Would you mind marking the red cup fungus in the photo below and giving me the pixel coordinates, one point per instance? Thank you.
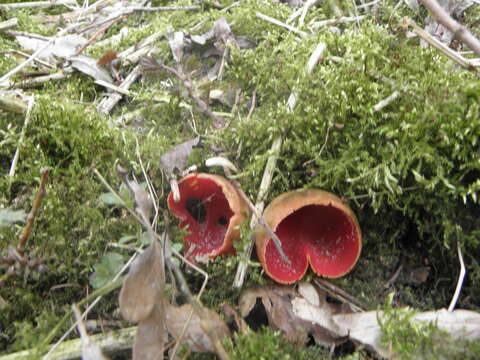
(315, 227)
(210, 209)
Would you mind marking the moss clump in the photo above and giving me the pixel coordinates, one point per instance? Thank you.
(72, 227)
(267, 344)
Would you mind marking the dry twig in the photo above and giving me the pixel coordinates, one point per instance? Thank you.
(22, 241)
(7, 24)
(187, 82)
(461, 33)
(281, 24)
(437, 44)
(31, 102)
(109, 102)
(38, 4)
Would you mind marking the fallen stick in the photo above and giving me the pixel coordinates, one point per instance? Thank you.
(259, 206)
(7, 24)
(31, 102)
(437, 44)
(38, 4)
(281, 24)
(109, 102)
(22, 241)
(111, 342)
(461, 33)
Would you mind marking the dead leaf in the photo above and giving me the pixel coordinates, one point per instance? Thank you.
(194, 336)
(141, 300)
(89, 66)
(177, 44)
(418, 275)
(278, 306)
(150, 337)
(453, 8)
(177, 157)
(143, 200)
(313, 307)
(364, 328)
(223, 32)
(143, 286)
(203, 38)
(62, 47)
(242, 326)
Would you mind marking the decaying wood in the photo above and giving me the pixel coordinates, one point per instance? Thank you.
(8, 24)
(38, 4)
(110, 342)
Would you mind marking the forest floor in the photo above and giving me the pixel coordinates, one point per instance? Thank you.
(106, 105)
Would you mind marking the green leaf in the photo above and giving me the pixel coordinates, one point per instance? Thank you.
(110, 199)
(8, 217)
(106, 269)
(127, 238)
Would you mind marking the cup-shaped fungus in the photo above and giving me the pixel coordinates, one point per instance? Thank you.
(211, 210)
(314, 227)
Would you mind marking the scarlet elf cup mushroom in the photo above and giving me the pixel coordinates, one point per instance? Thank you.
(314, 227)
(210, 209)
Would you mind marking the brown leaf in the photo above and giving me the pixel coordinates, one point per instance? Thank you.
(150, 337)
(143, 201)
(297, 316)
(177, 44)
(177, 157)
(278, 306)
(194, 336)
(141, 300)
(143, 287)
(242, 326)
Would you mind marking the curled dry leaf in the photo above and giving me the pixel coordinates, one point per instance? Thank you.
(141, 300)
(89, 66)
(150, 337)
(143, 200)
(320, 315)
(223, 32)
(242, 326)
(194, 336)
(277, 301)
(177, 157)
(177, 44)
(62, 47)
(143, 285)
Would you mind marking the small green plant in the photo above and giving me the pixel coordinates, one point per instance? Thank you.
(106, 269)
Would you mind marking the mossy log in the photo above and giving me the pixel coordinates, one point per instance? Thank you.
(109, 342)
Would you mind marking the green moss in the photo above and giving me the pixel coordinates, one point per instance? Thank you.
(409, 339)
(267, 344)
